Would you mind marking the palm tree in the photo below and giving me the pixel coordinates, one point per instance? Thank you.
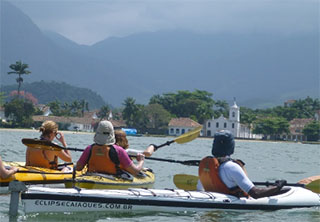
(20, 69)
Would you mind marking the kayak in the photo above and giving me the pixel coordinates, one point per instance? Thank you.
(34, 175)
(145, 179)
(43, 199)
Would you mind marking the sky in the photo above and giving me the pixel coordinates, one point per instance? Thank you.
(90, 21)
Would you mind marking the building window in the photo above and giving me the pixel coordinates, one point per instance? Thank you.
(177, 131)
(217, 125)
(209, 124)
(225, 125)
(209, 133)
(171, 131)
(232, 125)
(233, 114)
(182, 131)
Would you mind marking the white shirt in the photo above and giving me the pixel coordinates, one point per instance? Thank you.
(233, 175)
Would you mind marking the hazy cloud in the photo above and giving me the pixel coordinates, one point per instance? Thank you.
(87, 22)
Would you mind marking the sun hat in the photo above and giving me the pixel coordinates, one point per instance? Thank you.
(104, 133)
(223, 144)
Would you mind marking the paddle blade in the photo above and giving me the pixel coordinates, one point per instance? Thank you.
(40, 144)
(312, 183)
(189, 136)
(185, 181)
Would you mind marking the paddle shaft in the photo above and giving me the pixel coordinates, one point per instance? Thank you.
(186, 162)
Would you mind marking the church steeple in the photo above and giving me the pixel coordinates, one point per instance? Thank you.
(234, 112)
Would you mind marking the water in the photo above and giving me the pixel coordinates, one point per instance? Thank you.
(265, 161)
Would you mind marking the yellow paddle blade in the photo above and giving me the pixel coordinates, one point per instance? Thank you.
(312, 183)
(41, 144)
(189, 136)
(185, 181)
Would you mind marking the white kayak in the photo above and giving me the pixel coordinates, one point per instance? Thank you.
(43, 199)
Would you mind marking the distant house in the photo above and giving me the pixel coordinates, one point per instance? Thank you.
(45, 109)
(179, 126)
(86, 123)
(289, 102)
(296, 127)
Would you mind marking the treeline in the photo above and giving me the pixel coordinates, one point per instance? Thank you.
(46, 92)
(198, 105)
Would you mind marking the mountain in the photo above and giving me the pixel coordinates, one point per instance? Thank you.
(46, 92)
(258, 69)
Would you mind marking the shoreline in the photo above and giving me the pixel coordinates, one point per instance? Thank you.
(210, 138)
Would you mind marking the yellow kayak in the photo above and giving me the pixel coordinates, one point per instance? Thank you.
(107, 181)
(35, 175)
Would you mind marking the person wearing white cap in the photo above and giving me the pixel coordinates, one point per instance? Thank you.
(104, 156)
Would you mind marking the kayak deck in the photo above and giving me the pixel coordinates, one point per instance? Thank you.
(34, 175)
(167, 200)
(105, 181)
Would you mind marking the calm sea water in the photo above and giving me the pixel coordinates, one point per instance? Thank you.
(265, 161)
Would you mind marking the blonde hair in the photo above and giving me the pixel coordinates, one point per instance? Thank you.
(121, 139)
(48, 127)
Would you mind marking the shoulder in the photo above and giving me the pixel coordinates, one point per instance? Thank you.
(231, 166)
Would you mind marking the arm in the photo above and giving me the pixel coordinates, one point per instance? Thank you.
(65, 155)
(135, 169)
(149, 151)
(4, 173)
(83, 160)
(257, 192)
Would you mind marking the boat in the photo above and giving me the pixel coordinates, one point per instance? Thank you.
(34, 175)
(135, 200)
(145, 179)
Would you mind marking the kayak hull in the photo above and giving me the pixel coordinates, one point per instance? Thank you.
(102, 181)
(41, 199)
(34, 175)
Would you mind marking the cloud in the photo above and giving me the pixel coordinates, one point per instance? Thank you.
(87, 22)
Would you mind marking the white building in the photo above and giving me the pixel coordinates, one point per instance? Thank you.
(232, 124)
(179, 126)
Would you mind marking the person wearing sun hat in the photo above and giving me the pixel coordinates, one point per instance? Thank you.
(220, 173)
(104, 156)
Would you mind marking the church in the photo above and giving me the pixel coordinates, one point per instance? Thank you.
(232, 124)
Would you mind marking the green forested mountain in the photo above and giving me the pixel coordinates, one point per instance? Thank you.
(46, 92)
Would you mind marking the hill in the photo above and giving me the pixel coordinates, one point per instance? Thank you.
(259, 69)
(46, 92)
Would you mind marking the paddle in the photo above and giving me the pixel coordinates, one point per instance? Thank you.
(184, 138)
(189, 182)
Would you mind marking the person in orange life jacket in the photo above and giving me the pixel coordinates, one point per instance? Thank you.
(5, 173)
(48, 158)
(121, 140)
(230, 177)
(104, 156)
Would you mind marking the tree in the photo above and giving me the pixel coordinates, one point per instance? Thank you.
(130, 111)
(272, 126)
(312, 131)
(104, 112)
(20, 69)
(2, 98)
(158, 117)
(20, 111)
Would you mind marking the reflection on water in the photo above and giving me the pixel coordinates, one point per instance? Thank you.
(265, 161)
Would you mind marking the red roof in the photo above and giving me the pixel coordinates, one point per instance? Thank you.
(185, 122)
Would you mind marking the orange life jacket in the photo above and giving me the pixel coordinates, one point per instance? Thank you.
(103, 159)
(210, 179)
(37, 157)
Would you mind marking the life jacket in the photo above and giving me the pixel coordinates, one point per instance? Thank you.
(210, 179)
(104, 159)
(38, 158)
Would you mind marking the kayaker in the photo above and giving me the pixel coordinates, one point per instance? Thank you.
(104, 156)
(5, 173)
(121, 140)
(48, 158)
(222, 174)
